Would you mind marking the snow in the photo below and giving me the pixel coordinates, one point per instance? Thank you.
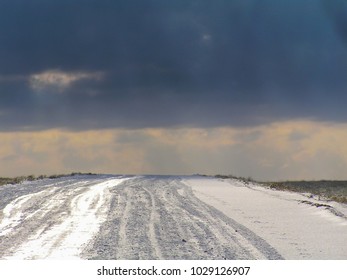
(158, 217)
(13, 213)
(296, 230)
(68, 237)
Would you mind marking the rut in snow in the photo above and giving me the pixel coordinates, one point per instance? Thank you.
(149, 217)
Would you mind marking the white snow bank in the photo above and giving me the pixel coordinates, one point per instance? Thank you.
(297, 230)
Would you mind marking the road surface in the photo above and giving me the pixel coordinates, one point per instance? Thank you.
(117, 217)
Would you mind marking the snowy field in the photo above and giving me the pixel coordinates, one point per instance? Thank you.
(165, 217)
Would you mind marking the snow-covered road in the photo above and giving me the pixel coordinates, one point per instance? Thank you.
(142, 217)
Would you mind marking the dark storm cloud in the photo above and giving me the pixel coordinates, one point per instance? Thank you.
(166, 63)
(337, 10)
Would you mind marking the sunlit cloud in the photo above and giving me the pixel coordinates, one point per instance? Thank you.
(59, 79)
(282, 150)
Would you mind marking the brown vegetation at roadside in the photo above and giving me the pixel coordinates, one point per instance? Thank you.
(20, 179)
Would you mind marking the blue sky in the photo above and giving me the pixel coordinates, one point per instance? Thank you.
(171, 66)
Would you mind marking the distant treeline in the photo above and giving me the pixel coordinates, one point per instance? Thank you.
(20, 179)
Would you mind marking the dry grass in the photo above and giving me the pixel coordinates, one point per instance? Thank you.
(20, 179)
(325, 189)
(329, 190)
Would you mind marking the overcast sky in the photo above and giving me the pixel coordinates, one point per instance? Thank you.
(141, 69)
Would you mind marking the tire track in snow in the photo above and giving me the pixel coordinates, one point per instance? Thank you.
(137, 238)
(162, 219)
(124, 245)
(149, 217)
(217, 239)
(13, 213)
(64, 237)
(152, 222)
(248, 244)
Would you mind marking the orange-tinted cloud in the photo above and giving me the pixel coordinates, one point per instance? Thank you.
(283, 150)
